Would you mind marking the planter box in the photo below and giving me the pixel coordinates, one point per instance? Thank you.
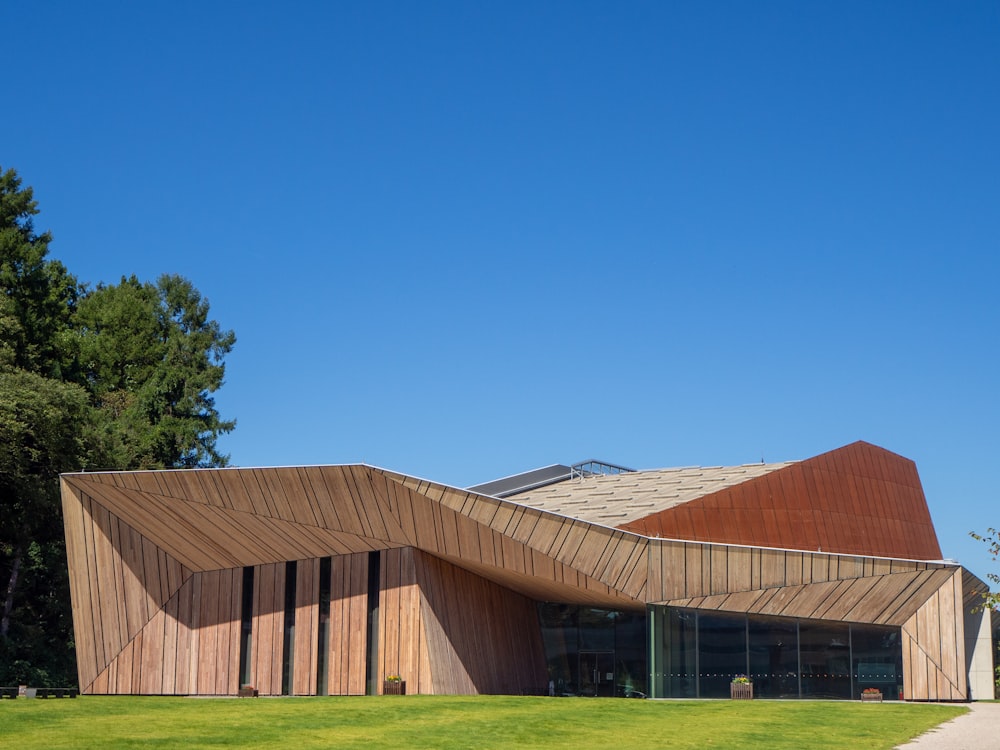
(395, 687)
(871, 697)
(741, 691)
(248, 692)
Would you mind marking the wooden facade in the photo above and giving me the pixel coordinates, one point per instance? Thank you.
(353, 573)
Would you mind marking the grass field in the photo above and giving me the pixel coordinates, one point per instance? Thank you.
(450, 723)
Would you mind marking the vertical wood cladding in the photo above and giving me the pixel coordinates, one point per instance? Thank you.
(859, 499)
(402, 646)
(447, 631)
(118, 581)
(189, 647)
(679, 570)
(933, 638)
(481, 637)
(306, 627)
(348, 619)
(268, 628)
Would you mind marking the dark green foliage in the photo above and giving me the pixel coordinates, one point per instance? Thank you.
(38, 294)
(151, 358)
(119, 377)
(41, 421)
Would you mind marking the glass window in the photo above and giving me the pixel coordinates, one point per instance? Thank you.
(722, 652)
(681, 646)
(591, 651)
(697, 653)
(560, 638)
(774, 657)
(631, 671)
(597, 629)
(877, 660)
(825, 658)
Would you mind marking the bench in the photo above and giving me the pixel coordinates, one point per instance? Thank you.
(56, 693)
(8, 692)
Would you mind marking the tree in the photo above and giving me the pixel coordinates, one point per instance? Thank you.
(118, 377)
(41, 421)
(992, 541)
(41, 424)
(39, 294)
(151, 358)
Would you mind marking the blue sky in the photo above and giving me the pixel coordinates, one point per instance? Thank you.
(461, 239)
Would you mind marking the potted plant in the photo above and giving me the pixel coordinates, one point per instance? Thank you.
(741, 688)
(248, 691)
(871, 695)
(394, 685)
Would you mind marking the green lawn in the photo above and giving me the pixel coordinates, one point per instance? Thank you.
(449, 723)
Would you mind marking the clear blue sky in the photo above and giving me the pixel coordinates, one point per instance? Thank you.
(464, 239)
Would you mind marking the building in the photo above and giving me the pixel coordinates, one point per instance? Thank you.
(819, 577)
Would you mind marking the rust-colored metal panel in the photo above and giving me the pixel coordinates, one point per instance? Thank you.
(859, 499)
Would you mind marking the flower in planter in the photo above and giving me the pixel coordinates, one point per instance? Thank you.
(393, 678)
(871, 691)
(741, 679)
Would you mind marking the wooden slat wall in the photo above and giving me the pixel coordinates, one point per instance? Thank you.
(346, 665)
(447, 631)
(268, 628)
(933, 641)
(118, 581)
(219, 632)
(548, 580)
(90, 658)
(306, 623)
(481, 637)
(208, 537)
(881, 600)
(526, 543)
(189, 647)
(859, 499)
(691, 569)
(402, 647)
(512, 539)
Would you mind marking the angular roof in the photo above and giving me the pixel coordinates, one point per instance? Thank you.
(616, 499)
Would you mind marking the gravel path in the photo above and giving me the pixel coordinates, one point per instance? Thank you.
(977, 730)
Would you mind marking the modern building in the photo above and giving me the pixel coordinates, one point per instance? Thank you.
(817, 578)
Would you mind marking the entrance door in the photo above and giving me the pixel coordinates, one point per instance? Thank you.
(597, 673)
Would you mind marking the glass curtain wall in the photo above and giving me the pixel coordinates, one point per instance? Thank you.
(594, 652)
(722, 652)
(774, 657)
(825, 659)
(873, 664)
(696, 654)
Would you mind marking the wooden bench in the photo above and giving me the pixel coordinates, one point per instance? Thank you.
(8, 692)
(56, 693)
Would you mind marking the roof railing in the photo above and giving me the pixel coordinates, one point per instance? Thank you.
(593, 467)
